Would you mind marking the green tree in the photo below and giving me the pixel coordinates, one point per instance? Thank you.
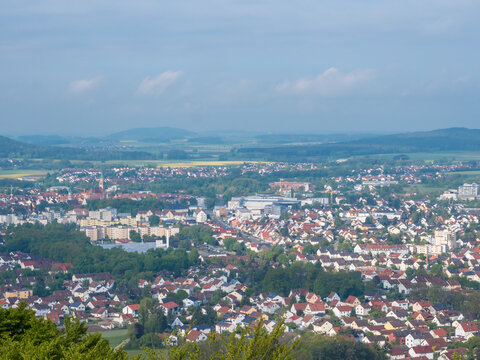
(39, 288)
(315, 347)
(135, 236)
(180, 295)
(436, 270)
(23, 336)
(154, 220)
(245, 344)
(410, 272)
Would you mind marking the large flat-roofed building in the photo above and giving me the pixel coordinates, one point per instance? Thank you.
(258, 205)
(468, 191)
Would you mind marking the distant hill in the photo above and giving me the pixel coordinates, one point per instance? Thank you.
(452, 139)
(283, 139)
(164, 133)
(10, 148)
(16, 149)
(207, 140)
(44, 139)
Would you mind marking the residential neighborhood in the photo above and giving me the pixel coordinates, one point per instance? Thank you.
(411, 255)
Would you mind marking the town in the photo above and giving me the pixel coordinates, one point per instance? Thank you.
(394, 268)
(239, 180)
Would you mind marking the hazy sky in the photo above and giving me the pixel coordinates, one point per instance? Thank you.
(92, 67)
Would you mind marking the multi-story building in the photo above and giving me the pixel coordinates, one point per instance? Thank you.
(96, 233)
(468, 191)
(443, 241)
(107, 214)
(286, 186)
(446, 239)
(259, 205)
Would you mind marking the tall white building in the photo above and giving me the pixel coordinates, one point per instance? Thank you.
(468, 191)
(443, 241)
(445, 238)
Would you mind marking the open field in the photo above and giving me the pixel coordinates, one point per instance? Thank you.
(472, 173)
(115, 337)
(19, 173)
(432, 156)
(176, 163)
(202, 163)
(423, 189)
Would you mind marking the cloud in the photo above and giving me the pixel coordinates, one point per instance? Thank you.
(159, 84)
(81, 86)
(331, 82)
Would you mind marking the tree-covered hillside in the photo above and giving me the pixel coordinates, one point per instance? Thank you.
(454, 139)
(16, 149)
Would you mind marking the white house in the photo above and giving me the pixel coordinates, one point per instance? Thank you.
(131, 310)
(466, 329)
(342, 311)
(201, 217)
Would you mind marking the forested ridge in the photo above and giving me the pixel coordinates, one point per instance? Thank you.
(10, 148)
(453, 139)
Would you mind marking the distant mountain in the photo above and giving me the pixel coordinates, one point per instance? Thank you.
(452, 139)
(164, 133)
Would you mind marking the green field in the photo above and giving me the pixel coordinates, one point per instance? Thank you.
(171, 163)
(471, 173)
(21, 173)
(423, 189)
(432, 156)
(115, 337)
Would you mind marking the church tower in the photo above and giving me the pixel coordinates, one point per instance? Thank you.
(101, 184)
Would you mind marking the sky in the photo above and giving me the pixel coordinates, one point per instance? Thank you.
(94, 67)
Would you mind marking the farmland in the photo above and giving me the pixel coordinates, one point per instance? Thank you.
(20, 173)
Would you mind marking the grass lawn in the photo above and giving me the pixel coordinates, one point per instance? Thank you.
(115, 337)
(423, 189)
